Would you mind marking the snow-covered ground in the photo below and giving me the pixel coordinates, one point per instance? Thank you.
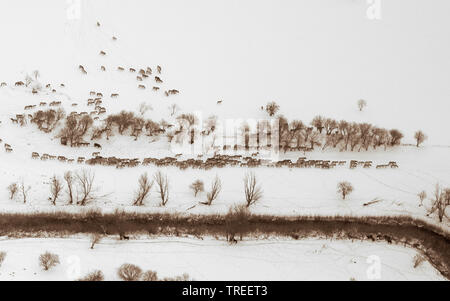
(209, 259)
(310, 57)
(286, 191)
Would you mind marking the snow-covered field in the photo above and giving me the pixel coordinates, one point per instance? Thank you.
(286, 191)
(209, 259)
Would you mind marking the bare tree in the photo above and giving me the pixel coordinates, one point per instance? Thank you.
(210, 125)
(144, 189)
(163, 186)
(330, 125)
(123, 120)
(365, 135)
(137, 126)
(344, 188)
(252, 192)
(149, 276)
(197, 187)
(422, 196)
(12, 188)
(85, 180)
(361, 104)
(47, 120)
(420, 137)
(440, 202)
(354, 135)
(95, 238)
(314, 139)
(24, 190)
(319, 123)
(55, 189)
(216, 187)
(69, 178)
(245, 130)
(272, 108)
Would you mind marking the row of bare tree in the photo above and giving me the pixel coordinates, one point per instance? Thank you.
(80, 188)
(47, 120)
(124, 121)
(252, 191)
(328, 132)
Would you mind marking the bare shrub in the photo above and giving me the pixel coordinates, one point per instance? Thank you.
(48, 260)
(344, 189)
(55, 189)
(420, 138)
(149, 276)
(95, 238)
(440, 202)
(85, 181)
(417, 260)
(272, 108)
(96, 275)
(197, 186)
(69, 178)
(24, 190)
(396, 137)
(361, 104)
(143, 191)
(319, 123)
(252, 192)
(2, 257)
(129, 272)
(12, 188)
(422, 196)
(216, 187)
(163, 187)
